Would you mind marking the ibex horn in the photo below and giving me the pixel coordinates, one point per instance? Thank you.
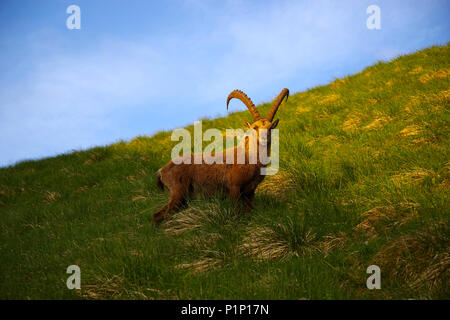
(238, 94)
(276, 104)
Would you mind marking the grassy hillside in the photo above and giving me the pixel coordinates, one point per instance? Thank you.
(364, 179)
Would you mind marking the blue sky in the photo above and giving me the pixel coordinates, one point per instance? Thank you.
(137, 67)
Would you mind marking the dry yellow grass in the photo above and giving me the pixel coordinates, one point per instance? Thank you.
(278, 185)
(187, 220)
(444, 95)
(385, 217)
(413, 102)
(302, 109)
(376, 124)
(421, 261)
(416, 70)
(138, 198)
(330, 139)
(413, 176)
(330, 98)
(264, 243)
(201, 265)
(114, 287)
(420, 141)
(51, 196)
(351, 123)
(440, 74)
(412, 130)
(331, 242)
(103, 288)
(425, 78)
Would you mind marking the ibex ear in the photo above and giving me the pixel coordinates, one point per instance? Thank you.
(248, 124)
(274, 125)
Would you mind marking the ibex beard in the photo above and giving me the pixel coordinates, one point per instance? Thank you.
(238, 179)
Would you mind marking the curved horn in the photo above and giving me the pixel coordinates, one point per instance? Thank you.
(238, 94)
(276, 104)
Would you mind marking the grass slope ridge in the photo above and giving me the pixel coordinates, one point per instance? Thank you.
(364, 179)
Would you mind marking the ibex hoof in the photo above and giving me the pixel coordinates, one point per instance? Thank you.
(157, 219)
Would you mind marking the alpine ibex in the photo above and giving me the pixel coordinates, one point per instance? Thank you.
(236, 180)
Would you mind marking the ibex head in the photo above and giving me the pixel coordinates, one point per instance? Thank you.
(259, 123)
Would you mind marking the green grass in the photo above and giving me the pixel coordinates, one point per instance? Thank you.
(364, 179)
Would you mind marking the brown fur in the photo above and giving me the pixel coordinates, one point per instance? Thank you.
(239, 181)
